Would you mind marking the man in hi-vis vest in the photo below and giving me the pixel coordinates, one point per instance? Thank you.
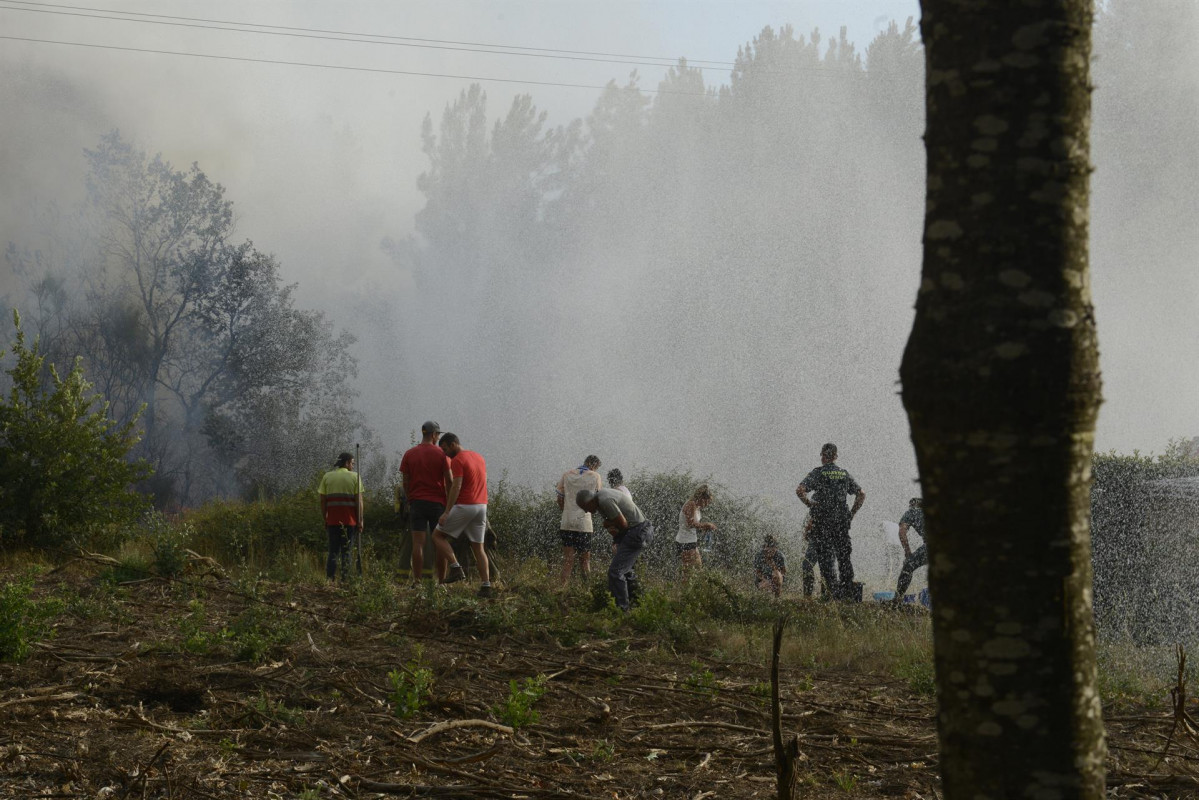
(341, 507)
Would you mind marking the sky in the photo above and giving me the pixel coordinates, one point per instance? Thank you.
(322, 163)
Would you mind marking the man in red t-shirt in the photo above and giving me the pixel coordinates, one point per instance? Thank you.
(426, 474)
(466, 512)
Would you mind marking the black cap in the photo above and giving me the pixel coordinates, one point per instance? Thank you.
(430, 427)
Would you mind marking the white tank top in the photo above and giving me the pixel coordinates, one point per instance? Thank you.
(687, 534)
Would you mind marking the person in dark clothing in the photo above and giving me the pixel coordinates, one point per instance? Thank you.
(912, 518)
(811, 557)
(770, 567)
(831, 520)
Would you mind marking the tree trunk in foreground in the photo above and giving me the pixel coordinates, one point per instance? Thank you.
(1001, 386)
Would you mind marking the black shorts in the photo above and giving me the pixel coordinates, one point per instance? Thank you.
(425, 514)
(681, 547)
(579, 540)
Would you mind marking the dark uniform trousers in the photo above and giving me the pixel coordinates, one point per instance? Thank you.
(831, 548)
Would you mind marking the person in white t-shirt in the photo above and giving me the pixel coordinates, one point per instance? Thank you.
(686, 541)
(576, 526)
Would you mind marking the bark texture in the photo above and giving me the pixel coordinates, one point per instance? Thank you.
(1001, 385)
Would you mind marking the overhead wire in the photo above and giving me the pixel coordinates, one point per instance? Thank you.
(335, 35)
(88, 12)
(376, 70)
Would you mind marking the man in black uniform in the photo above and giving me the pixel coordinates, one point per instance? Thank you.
(831, 520)
(912, 518)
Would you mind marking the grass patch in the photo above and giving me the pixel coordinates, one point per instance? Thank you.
(24, 620)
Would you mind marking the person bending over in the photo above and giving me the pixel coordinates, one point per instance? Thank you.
(630, 530)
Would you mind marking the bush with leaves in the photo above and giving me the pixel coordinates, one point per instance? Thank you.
(517, 709)
(263, 531)
(526, 523)
(23, 620)
(63, 467)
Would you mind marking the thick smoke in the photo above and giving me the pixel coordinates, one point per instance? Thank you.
(721, 282)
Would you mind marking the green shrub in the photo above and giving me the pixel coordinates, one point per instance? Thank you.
(410, 687)
(197, 637)
(917, 672)
(277, 711)
(168, 543)
(63, 468)
(269, 534)
(132, 565)
(517, 709)
(258, 631)
(23, 620)
(526, 522)
(374, 596)
(702, 680)
(656, 613)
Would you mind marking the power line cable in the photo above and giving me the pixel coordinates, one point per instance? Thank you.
(356, 37)
(377, 70)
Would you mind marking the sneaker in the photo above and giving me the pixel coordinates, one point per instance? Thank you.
(485, 591)
(455, 574)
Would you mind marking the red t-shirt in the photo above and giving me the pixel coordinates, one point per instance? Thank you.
(470, 466)
(425, 466)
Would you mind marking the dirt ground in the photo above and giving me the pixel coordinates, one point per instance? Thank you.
(122, 703)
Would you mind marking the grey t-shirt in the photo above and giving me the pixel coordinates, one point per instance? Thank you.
(613, 503)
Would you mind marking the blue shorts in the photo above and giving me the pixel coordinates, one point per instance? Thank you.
(579, 540)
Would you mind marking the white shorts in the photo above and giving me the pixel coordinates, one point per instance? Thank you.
(471, 520)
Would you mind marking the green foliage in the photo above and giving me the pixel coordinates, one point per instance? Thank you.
(603, 750)
(252, 636)
(845, 780)
(196, 635)
(132, 565)
(655, 613)
(526, 521)
(259, 389)
(270, 533)
(24, 620)
(917, 671)
(374, 597)
(527, 524)
(277, 711)
(410, 687)
(702, 680)
(63, 468)
(234, 530)
(517, 709)
(168, 543)
(258, 631)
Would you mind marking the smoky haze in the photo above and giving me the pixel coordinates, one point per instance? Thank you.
(718, 276)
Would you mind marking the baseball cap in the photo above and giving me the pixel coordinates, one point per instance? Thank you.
(430, 427)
